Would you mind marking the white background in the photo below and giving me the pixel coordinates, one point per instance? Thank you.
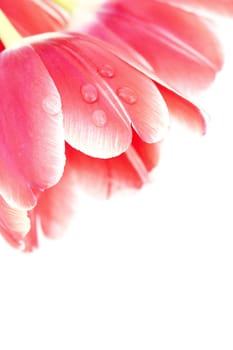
(151, 272)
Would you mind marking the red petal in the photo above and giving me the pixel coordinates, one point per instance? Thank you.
(31, 127)
(101, 96)
(180, 46)
(34, 17)
(2, 47)
(103, 177)
(223, 7)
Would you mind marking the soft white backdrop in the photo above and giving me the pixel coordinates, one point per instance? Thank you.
(151, 272)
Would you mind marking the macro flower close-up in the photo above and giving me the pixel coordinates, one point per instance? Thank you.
(115, 174)
(86, 106)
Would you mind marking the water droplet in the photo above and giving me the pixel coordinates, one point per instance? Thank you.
(127, 95)
(89, 93)
(106, 71)
(52, 104)
(99, 118)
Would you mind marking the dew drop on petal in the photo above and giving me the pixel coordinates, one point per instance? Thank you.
(89, 93)
(127, 95)
(52, 104)
(106, 71)
(99, 118)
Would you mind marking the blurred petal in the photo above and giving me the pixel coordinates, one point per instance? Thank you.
(223, 7)
(104, 177)
(1, 46)
(31, 128)
(30, 241)
(53, 213)
(14, 224)
(58, 205)
(31, 17)
(180, 46)
(184, 110)
(101, 96)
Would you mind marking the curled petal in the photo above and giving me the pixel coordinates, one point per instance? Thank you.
(180, 46)
(31, 128)
(102, 96)
(31, 17)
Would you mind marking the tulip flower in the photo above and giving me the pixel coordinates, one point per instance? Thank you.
(106, 105)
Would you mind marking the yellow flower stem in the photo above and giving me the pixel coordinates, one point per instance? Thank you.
(68, 5)
(8, 34)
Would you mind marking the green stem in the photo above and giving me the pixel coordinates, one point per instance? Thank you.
(8, 34)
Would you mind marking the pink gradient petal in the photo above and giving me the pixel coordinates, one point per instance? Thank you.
(180, 46)
(31, 17)
(31, 127)
(30, 241)
(14, 224)
(103, 177)
(52, 215)
(179, 106)
(223, 7)
(99, 109)
(185, 111)
(57, 206)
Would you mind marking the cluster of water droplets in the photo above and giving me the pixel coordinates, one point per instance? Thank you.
(90, 94)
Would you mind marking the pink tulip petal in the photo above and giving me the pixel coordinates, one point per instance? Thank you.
(31, 17)
(178, 105)
(149, 153)
(31, 127)
(102, 95)
(14, 224)
(30, 241)
(180, 46)
(223, 7)
(131, 170)
(103, 177)
(185, 111)
(58, 205)
(52, 215)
